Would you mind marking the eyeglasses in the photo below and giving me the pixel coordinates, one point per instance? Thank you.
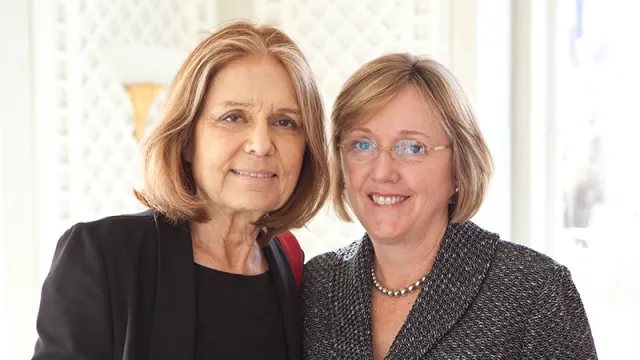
(407, 151)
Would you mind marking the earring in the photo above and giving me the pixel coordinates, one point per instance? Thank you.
(452, 196)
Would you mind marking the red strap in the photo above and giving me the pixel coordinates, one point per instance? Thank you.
(293, 251)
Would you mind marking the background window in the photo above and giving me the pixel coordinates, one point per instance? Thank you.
(597, 165)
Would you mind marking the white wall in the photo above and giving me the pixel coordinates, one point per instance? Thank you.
(237, 9)
(3, 288)
(532, 118)
(16, 166)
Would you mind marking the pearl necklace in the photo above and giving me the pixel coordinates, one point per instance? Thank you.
(400, 292)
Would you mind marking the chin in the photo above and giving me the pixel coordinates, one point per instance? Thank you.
(385, 229)
(253, 205)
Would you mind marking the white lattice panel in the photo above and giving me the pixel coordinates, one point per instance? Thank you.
(89, 158)
(338, 37)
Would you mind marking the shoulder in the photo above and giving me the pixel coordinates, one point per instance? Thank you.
(318, 282)
(524, 261)
(320, 271)
(119, 232)
(541, 292)
(524, 273)
(504, 255)
(88, 249)
(514, 272)
(332, 261)
(119, 223)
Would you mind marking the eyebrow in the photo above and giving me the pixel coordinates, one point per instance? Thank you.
(288, 110)
(413, 132)
(245, 105)
(361, 129)
(401, 132)
(230, 103)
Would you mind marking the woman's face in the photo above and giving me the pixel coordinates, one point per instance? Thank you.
(393, 198)
(248, 144)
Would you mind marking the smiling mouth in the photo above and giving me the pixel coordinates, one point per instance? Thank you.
(387, 200)
(259, 175)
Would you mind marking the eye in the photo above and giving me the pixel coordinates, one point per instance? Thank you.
(411, 147)
(415, 149)
(286, 123)
(231, 118)
(362, 145)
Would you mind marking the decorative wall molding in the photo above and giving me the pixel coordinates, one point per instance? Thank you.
(87, 151)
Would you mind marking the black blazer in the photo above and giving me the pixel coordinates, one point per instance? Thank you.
(122, 288)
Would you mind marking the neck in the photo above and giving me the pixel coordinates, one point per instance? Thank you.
(228, 243)
(401, 263)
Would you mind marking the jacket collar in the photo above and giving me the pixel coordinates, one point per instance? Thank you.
(462, 263)
(288, 296)
(173, 329)
(174, 316)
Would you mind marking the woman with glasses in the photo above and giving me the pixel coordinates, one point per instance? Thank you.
(424, 282)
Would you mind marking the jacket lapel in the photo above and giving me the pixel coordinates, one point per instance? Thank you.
(173, 327)
(461, 265)
(460, 268)
(288, 296)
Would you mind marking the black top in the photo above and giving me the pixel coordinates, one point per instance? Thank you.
(237, 317)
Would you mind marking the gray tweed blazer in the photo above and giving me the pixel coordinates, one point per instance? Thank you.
(483, 299)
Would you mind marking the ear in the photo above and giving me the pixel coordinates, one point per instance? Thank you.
(453, 195)
(342, 176)
(454, 183)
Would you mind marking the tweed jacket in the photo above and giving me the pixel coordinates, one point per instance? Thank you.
(484, 298)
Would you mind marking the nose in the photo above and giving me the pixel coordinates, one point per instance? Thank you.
(384, 168)
(259, 141)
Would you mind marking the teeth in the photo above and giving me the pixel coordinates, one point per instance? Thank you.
(259, 176)
(387, 200)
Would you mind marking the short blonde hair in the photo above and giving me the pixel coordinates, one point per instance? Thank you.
(373, 85)
(168, 183)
